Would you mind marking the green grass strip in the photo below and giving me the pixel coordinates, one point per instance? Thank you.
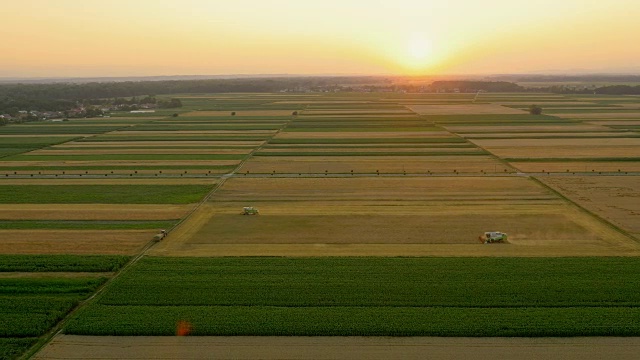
(102, 194)
(85, 224)
(61, 263)
(132, 157)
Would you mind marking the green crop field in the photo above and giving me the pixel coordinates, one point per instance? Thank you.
(30, 306)
(130, 157)
(93, 168)
(369, 141)
(368, 153)
(18, 145)
(61, 263)
(174, 137)
(85, 225)
(371, 296)
(102, 194)
(55, 129)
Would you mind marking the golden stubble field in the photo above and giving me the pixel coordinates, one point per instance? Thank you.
(81, 242)
(593, 167)
(466, 109)
(562, 148)
(372, 164)
(391, 217)
(615, 198)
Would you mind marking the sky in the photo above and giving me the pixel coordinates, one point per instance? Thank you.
(88, 38)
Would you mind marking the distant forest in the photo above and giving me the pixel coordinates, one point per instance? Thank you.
(64, 96)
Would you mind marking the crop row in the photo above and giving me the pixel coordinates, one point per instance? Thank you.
(61, 263)
(11, 348)
(130, 157)
(371, 296)
(85, 224)
(29, 307)
(379, 282)
(357, 321)
(371, 153)
(102, 194)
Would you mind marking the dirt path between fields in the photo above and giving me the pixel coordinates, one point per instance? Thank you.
(145, 347)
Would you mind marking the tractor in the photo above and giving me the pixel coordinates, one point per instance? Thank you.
(250, 210)
(491, 237)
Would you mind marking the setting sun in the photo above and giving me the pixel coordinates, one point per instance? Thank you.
(419, 51)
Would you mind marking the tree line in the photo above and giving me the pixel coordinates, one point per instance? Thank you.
(64, 96)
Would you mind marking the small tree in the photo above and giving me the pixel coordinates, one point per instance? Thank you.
(535, 110)
(233, 113)
(175, 115)
(295, 113)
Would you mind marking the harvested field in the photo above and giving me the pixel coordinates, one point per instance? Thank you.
(186, 133)
(549, 104)
(390, 217)
(564, 151)
(156, 151)
(347, 348)
(92, 212)
(120, 242)
(562, 148)
(378, 189)
(372, 150)
(132, 181)
(615, 198)
(563, 142)
(115, 163)
(600, 115)
(463, 109)
(371, 164)
(363, 135)
(239, 113)
(358, 116)
(155, 144)
(349, 112)
(542, 135)
(425, 226)
(504, 129)
(615, 122)
(577, 166)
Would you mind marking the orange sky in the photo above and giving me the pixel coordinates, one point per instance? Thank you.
(142, 37)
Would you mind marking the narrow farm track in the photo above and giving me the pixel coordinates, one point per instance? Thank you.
(57, 329)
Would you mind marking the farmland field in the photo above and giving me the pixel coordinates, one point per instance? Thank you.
(371, 205)
(39, 292)
(370, 296)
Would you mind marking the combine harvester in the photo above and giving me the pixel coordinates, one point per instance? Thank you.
(250, 210)
(491, 237)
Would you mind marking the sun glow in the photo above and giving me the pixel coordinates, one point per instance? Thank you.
(416, 54)
(419, 49)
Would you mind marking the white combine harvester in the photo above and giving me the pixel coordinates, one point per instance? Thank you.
(250, 210)
(491, 237)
